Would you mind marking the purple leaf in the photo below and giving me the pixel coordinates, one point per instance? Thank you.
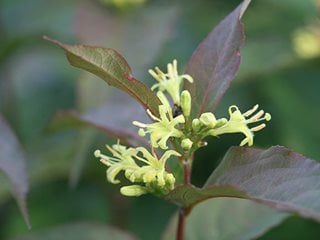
(216, 61)
(13, 165)
(277, 177)
(110, 66)
(113, 118)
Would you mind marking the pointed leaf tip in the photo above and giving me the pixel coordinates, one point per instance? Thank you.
(244, 7)
(13, 165)
(110, 66)
(215, 62)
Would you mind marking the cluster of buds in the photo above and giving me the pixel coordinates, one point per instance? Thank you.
(173, 123)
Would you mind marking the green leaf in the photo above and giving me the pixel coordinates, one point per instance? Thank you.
(109, 65)
(212, 220)
(277, 177)
(216, 61)
(78, 231)
(13, 165)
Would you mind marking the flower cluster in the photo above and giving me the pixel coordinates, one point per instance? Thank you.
(151, 174)
(145, 169)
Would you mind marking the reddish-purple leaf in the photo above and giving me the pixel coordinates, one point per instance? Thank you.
(110, 66)
(13, 165)
(277, 177)
(216, 61)
(113, 118)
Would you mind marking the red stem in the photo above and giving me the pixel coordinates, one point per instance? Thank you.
(186, 174)
(181, 224)
(184, 211)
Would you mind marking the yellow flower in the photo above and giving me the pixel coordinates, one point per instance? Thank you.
(154, 172)
(150, 172)
(238, 123)
(170, 81)
(164, 127)
(123, 159)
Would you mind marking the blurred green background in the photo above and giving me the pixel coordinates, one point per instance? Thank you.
(280, 70)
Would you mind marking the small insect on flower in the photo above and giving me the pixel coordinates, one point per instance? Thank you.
(176, 110)
(164, 127)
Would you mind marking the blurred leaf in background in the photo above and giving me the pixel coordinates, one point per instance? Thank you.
(36, 82)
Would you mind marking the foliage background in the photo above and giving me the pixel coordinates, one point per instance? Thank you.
(67, 183)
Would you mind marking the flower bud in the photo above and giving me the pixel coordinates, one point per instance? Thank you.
(208, 119)
(133, 190)
(186, 103)
(196, 124)
(170, 180)
(186, 144)
(221, 122)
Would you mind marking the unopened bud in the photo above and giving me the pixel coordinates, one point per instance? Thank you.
(221, 122)
(196, 124)
(133, 190)
(186, 103)
(170, 180)
(208, 119)
(186, 144)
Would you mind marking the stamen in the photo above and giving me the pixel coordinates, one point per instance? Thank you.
(160, 73)
(139, 124)
(154, 75)
(258, 128)
(152, 116)
(143, 160)
(256, 117)
(105, 162)
(267, 117)
(97, 153)
(175, 66)
(113, 151)
(251, 111)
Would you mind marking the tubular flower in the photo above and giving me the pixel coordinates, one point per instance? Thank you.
(238, 123)
(164, 127)
(122, 160)
(170, 81)
(152, 173)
